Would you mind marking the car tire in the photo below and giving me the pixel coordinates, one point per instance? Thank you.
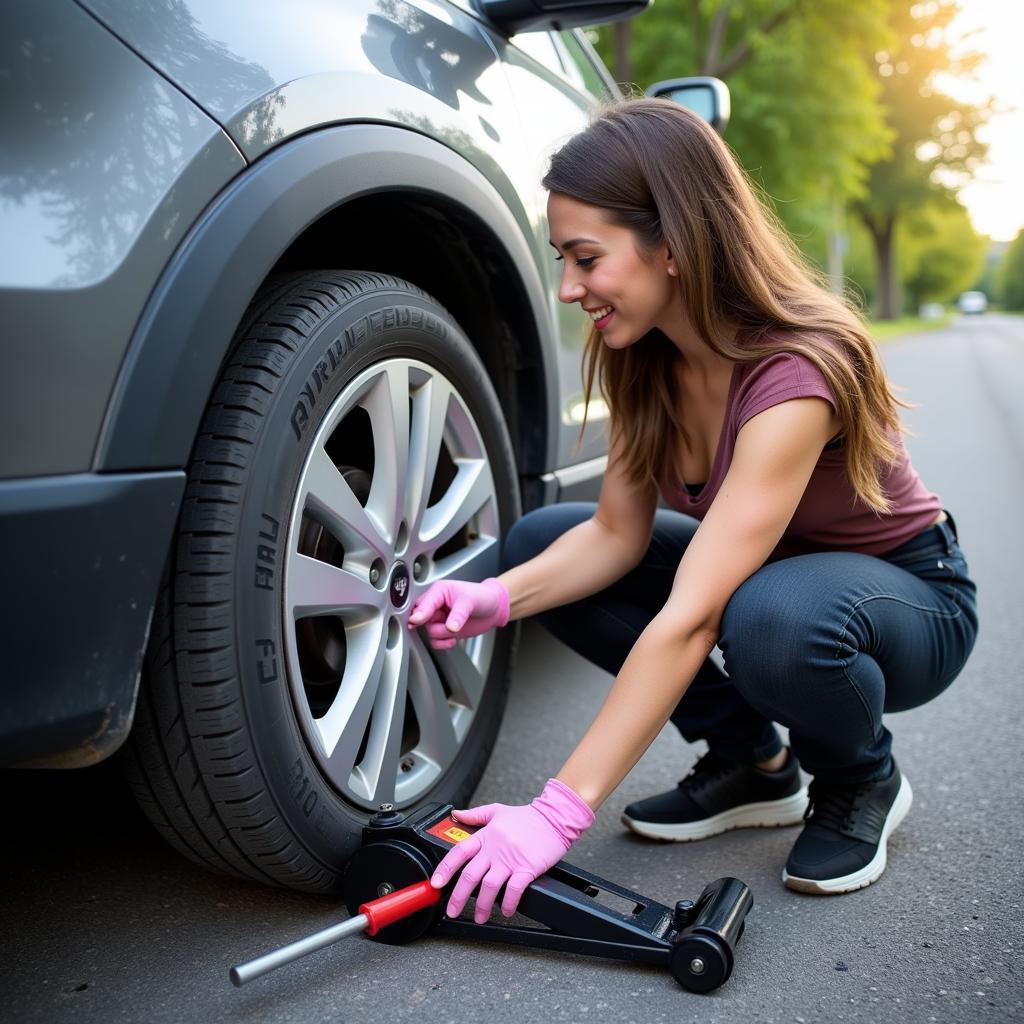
(352, 453)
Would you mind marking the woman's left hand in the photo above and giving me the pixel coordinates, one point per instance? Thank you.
(515, 845)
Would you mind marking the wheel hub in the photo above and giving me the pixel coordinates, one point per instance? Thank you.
(398, 586)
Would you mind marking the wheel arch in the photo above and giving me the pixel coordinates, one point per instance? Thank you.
(316, 199)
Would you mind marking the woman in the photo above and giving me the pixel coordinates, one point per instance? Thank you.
(799, 538)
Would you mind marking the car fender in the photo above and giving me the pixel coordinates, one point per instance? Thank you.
(186, 329)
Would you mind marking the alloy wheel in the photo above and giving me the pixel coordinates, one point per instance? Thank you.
(396, 493)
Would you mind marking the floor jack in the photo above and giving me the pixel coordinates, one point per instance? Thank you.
(388, 892)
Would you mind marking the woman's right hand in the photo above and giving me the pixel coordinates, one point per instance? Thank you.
(453, 610)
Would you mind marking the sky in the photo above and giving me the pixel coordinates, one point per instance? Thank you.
(995, 199)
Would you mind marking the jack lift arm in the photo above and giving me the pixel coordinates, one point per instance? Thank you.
(388, 892)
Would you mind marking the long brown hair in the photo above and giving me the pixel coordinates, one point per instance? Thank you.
(662, 171)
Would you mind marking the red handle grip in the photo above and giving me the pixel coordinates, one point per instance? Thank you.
(401, 903)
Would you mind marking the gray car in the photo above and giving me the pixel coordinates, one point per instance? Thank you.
(282, 347)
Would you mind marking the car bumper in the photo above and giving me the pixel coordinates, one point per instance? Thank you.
(82, 559)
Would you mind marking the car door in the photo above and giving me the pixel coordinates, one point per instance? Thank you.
(557, 83)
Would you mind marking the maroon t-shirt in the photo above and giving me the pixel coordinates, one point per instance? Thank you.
(829, 515)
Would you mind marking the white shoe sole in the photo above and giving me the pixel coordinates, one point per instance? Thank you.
(769, 814)
(872, 870)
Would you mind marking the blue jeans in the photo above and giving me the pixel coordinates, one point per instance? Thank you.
(822, 643)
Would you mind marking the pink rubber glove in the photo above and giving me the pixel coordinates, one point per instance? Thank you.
(516, 845)
(454, 610)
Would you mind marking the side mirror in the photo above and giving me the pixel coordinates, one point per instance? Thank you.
(512, 16)
(708, 97)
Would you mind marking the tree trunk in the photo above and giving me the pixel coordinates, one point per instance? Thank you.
(887, 290)
(623, 65)
(837, 243)
(716, 40)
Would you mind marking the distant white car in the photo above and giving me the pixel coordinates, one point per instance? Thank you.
(972, 302)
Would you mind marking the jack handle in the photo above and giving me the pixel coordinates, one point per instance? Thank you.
(372, 916)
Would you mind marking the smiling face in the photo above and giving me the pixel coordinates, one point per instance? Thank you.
(624, 289)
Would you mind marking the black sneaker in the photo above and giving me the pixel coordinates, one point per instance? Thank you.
(842, 846)
(719, 795)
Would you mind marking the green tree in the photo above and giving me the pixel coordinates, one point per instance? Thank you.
(935, 147)
(988, 280)
(942, 254)
(805, 116)
(1011, 275)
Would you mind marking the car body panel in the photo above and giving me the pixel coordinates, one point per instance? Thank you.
(78, 596)
(97, 185)
(431, 68)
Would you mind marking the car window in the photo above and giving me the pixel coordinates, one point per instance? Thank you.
(580, 67)
(541, 47)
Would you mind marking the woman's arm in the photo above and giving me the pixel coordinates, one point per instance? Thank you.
(592, 555)
(775, 454)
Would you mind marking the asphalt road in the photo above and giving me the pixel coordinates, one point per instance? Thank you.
(101, 922)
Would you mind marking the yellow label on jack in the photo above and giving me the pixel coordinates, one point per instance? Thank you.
(449, 831)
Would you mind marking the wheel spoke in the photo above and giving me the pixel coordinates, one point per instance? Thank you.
(387, 404)
(474, 562)
(471, 489)
(438, 741)
(316, 588)
(429, 412)
(344, 724)
(465, 679)
(330, 501)
(378, 769)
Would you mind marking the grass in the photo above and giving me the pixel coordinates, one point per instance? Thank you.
(886, 330)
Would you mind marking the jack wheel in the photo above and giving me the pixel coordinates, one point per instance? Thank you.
(701, 963)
